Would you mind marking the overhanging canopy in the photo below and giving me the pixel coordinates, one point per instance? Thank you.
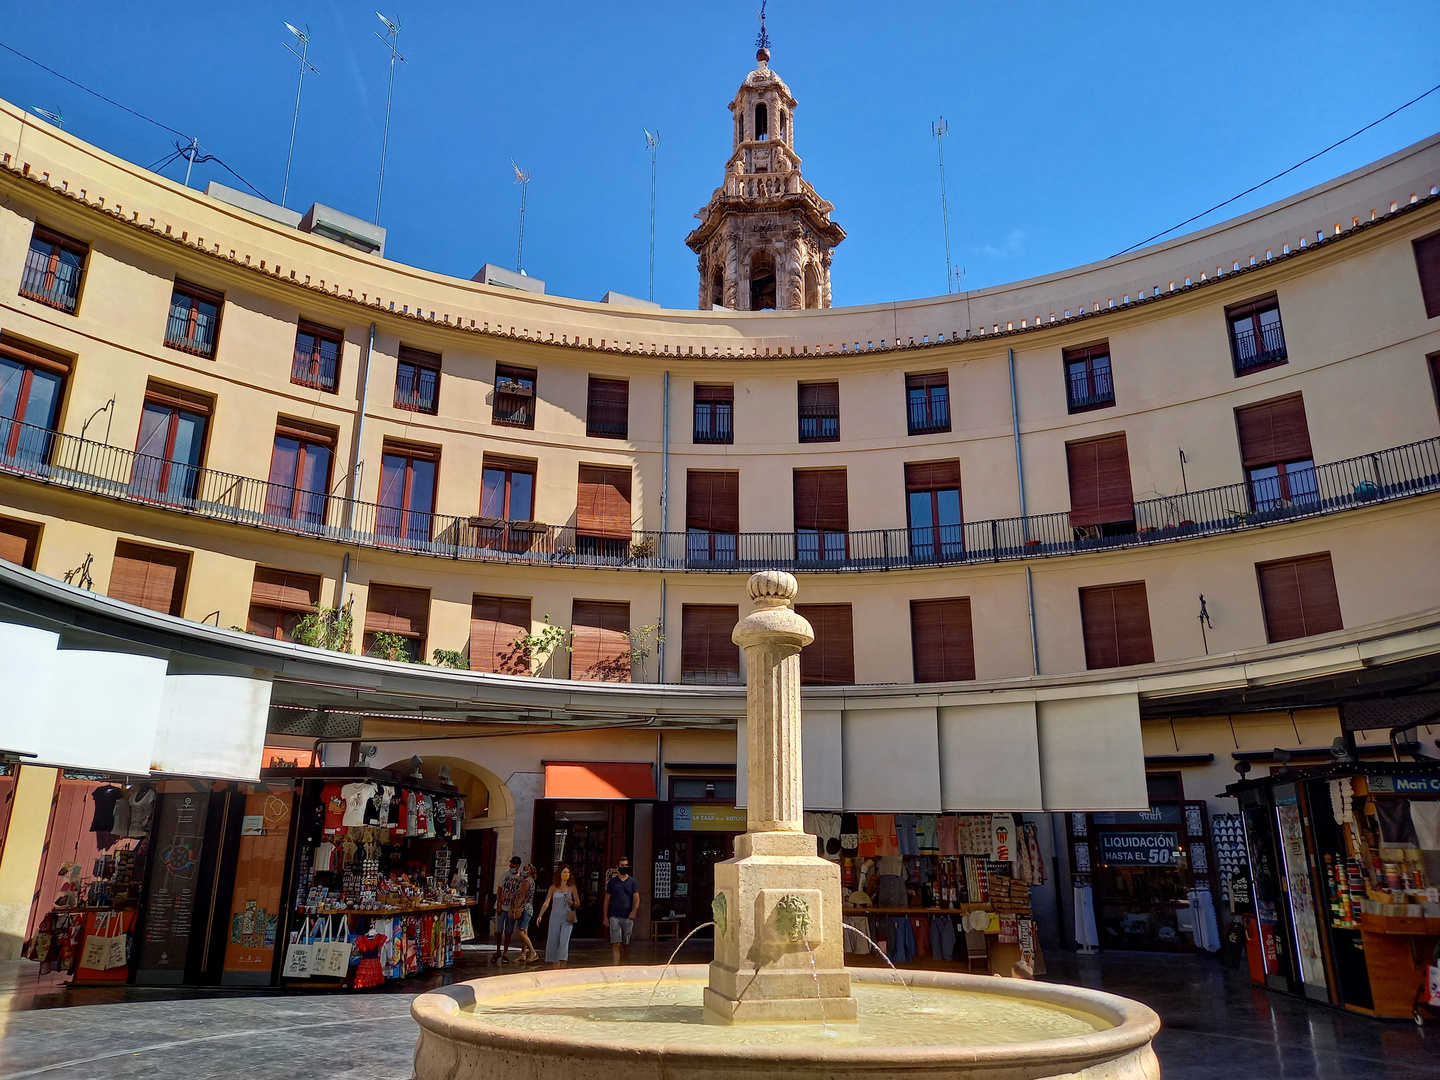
(599, 780)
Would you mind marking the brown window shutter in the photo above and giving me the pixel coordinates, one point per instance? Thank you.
(18, 541)
(820, 395)
(178, 398)
(1299, 597)
(306, 430)
(495, 623)
(1116, 624)
(1099, 481)
(821, 499)
(707, 655)
(27, 353)
(149, 577)
(285, 589)
(712, 501)
(599, 651)
(394, 609)
(1427, 264)
(608, 407)
(929, 476)
(830, 660)
(1273, 431)
(1434, 359)
(602, 503)
(941, 640)
(722, 394)
(924, 382)
(420, 357)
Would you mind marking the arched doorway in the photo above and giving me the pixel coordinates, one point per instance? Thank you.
(762, 281)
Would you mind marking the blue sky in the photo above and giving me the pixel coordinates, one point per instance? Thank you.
(1075, 129)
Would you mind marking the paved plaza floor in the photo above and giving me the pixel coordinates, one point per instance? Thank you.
(1216, 1026)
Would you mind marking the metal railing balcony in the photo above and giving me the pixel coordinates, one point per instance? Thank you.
(1087, 390)
(1252, 350)
(58, 287)
(83, 465)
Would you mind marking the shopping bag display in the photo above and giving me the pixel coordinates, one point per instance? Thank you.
(104, 950)
(299, 954)
(331, 958)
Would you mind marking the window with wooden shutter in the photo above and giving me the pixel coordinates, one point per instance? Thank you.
(1257, 339)
(19, 541)
(317, 356)
(53, 268)
(417, 380)
(514, 404)
(712, 515)
(1427, 265)
(941, 641)
(607, 413)
(149, 577)
(819, 405)
(299, 488)
(406, 502)
(1434, 361)
(1299, 597)
(822, 515)
(600, 649)
(830, 659)
(1116, 623)
(602, 510)
(495, 623)
(171, 443)
(927, 402)
(279, 599)
(401, 612)
(714, 414)
(1275, 450)
(707, 655)
(932, 508)
(1100, 481)
(1088, 382)
(194, 323)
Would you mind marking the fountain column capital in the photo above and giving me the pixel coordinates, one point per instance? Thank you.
(774, 621)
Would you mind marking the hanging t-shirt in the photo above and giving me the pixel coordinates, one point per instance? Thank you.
(355, 796)
(925, 828)
(387, 803)
(886, 843)
(105, 797)
(142, 811)
(334, 806)
(947, 829)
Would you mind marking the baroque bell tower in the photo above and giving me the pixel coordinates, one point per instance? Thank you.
(765, 238)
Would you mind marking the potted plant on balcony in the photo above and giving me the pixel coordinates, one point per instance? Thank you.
(643, 548)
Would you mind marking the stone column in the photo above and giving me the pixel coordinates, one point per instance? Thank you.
(772, 636)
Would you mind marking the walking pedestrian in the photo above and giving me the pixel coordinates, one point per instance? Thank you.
(508, 909)
(622, 904)
(565, 897)
(527, 905)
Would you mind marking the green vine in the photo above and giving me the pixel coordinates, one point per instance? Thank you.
(530, 653)
(389, 646)
(450, 658)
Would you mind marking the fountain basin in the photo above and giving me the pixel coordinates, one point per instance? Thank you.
(592, 1024)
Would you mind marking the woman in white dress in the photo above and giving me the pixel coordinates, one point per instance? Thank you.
(566, 900)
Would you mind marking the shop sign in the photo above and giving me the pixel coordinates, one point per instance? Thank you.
(1405, 785)
(708, 817)
(1138, 848)
(1164, 814)
(170, 909)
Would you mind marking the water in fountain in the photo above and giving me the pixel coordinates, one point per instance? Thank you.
(883, 956)
(671, 961)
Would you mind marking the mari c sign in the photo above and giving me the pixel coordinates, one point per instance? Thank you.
(1138, 848)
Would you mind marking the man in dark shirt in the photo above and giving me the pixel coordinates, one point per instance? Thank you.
(622, 904)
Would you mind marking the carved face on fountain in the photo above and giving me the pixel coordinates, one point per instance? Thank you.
(792, 917)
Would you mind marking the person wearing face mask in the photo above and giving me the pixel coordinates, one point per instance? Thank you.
(566, 897)
(622, 904)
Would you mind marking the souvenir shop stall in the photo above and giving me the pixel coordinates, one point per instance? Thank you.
(937, 890)
(88, 895)
(1147, 879)
(380, 885)
(1345, 862)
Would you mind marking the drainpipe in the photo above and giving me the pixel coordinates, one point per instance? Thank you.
(664, 518)
(1024, 520)
(660, 646)
(356, 464)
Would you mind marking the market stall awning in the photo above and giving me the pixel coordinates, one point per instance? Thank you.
(599, 780)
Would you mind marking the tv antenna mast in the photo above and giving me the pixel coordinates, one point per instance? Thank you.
(391, 40)
(523, 179)
(939, 129)
(303, 37)
(57, 117)
(652, 141)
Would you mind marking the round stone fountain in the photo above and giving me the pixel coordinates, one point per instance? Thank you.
(777, 999)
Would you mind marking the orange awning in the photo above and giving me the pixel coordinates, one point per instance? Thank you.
(599, 780)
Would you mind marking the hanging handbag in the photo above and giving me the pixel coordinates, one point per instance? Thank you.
(299, 953)
(104, 949)
(570, 916)
(464, 926)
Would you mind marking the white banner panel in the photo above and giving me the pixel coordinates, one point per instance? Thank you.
(891, 760)
(27, 659)
(990, 757)
(1091, 757)
(821, 763)
(212, 725)
(104, 711)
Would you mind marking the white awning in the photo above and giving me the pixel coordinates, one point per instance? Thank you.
(1090, 753)
(892, 760)
(990, 757)
(212, 725)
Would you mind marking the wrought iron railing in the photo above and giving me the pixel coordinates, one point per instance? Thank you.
(84, 465)
(1252, 350)
(416, 388)
(190, 330)
(930, 415)
(316, 367)
(819, 423)
(58, 287)
(1090, 388)
(714, 422)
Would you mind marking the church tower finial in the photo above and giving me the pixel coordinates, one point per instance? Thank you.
(765, 238)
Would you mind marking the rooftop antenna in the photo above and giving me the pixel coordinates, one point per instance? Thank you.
(940, 129)
(391, 40)
(303, 37)
(523, 179)
(57, 118)
(652, 141)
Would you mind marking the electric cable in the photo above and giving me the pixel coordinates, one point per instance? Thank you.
(1277, 176)
(95, 93)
